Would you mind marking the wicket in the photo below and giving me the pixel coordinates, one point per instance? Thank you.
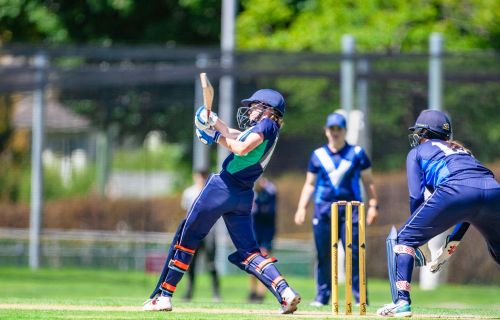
(348, 256)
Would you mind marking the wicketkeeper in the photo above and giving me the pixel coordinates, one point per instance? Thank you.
(463, 192)
(229, 195)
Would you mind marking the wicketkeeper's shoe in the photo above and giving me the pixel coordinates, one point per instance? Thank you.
(290, 301)
(399, 310)
(159, 303)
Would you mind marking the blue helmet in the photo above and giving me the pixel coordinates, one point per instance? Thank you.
(269, 98)
(430, 124)
(435, 121)
(272, 98)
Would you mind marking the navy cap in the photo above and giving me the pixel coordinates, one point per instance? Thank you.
(268, 96)
(335, 119)
(433, 120)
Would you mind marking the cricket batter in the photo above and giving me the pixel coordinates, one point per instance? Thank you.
(229, 195)
(463, 192)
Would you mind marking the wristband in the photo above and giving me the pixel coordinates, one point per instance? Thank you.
(217, 136)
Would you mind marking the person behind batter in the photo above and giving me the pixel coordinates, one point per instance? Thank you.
(333, 174)
(229, 195)
(463, 192)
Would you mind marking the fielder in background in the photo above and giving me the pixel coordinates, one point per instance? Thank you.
(463, 192)
(208, 244)
(264, 228)
(229, 195)
(333, 175)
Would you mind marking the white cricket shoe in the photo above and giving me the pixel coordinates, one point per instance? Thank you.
(400, 309)
(290, 301)
(159, 303)
(317, 304)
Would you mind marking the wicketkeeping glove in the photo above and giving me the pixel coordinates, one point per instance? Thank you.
(208, 136)
(200, 119)
(443, 254)
(422, 255)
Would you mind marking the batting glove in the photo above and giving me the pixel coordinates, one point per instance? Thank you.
(208, 136)
(200, 119)
(443, 254)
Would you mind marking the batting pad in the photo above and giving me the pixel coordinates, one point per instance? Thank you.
(390, 243)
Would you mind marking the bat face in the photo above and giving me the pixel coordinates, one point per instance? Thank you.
(208, 92)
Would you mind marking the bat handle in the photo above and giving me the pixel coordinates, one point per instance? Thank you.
(208, 115)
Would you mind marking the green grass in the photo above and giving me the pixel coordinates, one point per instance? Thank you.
(109, 288)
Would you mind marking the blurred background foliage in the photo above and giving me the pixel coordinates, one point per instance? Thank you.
(379, 26)
(316, 25)
(107, 22)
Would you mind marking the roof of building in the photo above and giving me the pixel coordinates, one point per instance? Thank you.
(57, 116)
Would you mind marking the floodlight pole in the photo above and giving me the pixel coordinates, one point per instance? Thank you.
(363, 104)
(429, 280)
(201, 154)
(37, 132)
(347, 73)
(226, 103)
(435, 71)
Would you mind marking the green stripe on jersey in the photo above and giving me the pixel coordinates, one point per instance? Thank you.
(241, 162)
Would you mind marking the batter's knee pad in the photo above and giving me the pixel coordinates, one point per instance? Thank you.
(179, 264)
(264, 269)
(181, 259)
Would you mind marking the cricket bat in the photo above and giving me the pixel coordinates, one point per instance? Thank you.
(208, 93)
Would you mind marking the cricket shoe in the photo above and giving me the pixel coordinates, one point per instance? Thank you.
(159, 303)
(290, 301)
(317, 304)
(399, 309)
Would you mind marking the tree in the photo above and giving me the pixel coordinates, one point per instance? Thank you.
(378, 25)
(186, 22)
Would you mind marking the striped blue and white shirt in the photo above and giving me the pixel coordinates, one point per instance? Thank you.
(338, 173)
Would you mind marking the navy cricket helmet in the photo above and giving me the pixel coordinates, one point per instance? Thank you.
(430, 124)
(267, 98)
(271, 97)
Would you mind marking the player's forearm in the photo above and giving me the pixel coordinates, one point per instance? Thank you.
(226, 131)
(305, 196)
(237, 147)
(367, 178)
(372, 195)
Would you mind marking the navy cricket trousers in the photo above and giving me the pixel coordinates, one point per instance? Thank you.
(452, 203)
(476, 201)
(221, 198)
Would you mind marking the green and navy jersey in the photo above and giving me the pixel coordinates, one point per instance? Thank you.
(338, 173)
(246, 169)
